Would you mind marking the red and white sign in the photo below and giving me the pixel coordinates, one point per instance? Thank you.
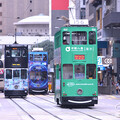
(1, 71)
(60, 4)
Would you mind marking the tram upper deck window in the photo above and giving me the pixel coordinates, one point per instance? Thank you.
(8, 74)
(24, 53)
(79, 71)
(79, 38)
(91, 71)
(92, 37)
(31, 57)
(16, 73)
(1, 64)
(38, 57)
(7, 53)
(44, 57)
(16, 53)
(67, 71)
(23, 74)
(66, 38)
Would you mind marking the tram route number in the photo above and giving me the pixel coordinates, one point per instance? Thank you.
(107, 60)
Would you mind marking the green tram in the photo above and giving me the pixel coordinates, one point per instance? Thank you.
(75, 60)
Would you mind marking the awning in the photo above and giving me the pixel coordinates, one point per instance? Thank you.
(102, 44)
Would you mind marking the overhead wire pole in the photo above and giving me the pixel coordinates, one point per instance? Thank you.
(15, 37)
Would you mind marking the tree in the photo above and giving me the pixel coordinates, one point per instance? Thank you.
(48, 46)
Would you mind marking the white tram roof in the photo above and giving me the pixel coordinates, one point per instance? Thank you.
(37, 49)
(80, 22)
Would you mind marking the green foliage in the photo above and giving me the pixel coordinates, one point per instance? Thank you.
(48, 46)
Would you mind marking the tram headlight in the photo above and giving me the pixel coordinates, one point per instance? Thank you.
(79, 91)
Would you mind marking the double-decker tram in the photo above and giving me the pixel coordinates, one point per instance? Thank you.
(16, 70)
(38, 71)
(76, 66)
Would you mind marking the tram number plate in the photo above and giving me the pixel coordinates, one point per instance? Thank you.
(38, 85)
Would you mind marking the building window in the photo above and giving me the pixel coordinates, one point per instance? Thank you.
(30, 10)
(83, 2)
(98, 15)
(0, 22)
(0, 4)
(0, 13)
(82, 13)
(0, 31)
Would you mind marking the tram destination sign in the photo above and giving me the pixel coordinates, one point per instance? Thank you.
(79, 57)
(107, 61)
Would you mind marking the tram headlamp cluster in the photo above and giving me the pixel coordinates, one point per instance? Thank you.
(79, 91)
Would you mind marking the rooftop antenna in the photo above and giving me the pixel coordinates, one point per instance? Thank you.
(15, 37)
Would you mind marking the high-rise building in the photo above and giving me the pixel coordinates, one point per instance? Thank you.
(14, 10)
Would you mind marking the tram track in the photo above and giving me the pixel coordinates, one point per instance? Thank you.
(70, 109)
(22, 108)
(35, 106)
(80, 111)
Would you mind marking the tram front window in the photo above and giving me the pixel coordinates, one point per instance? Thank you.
(16, 73)
(16, 53)
(38, 76)
(92, 37)
(31, 57)
(79, 38)
(32, 75)
(23, 74)
(66, 38)
(91, 71)
(38, 57)
(43, 75)
(24, 53)
(67, 71)
(79, 71)
(44, 57)
(8, 74)
(7, 53)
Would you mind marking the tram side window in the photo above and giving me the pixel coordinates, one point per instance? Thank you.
(16, 53)
(16, 73)
(7, 53)
(79, 38)
(44, 57)
(67, 71)
(23, 74)
(32, 75)
(79, 71)
(91, 71)
(38, 57)
(66, 38)
(31, 57)
(8, 74)
(24, 53)
(92, 37)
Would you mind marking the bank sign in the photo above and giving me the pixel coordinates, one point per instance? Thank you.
(103, 62)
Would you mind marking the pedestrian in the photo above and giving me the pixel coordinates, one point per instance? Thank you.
(117, 88)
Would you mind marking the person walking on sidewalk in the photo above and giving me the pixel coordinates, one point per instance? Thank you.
(117, 88)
